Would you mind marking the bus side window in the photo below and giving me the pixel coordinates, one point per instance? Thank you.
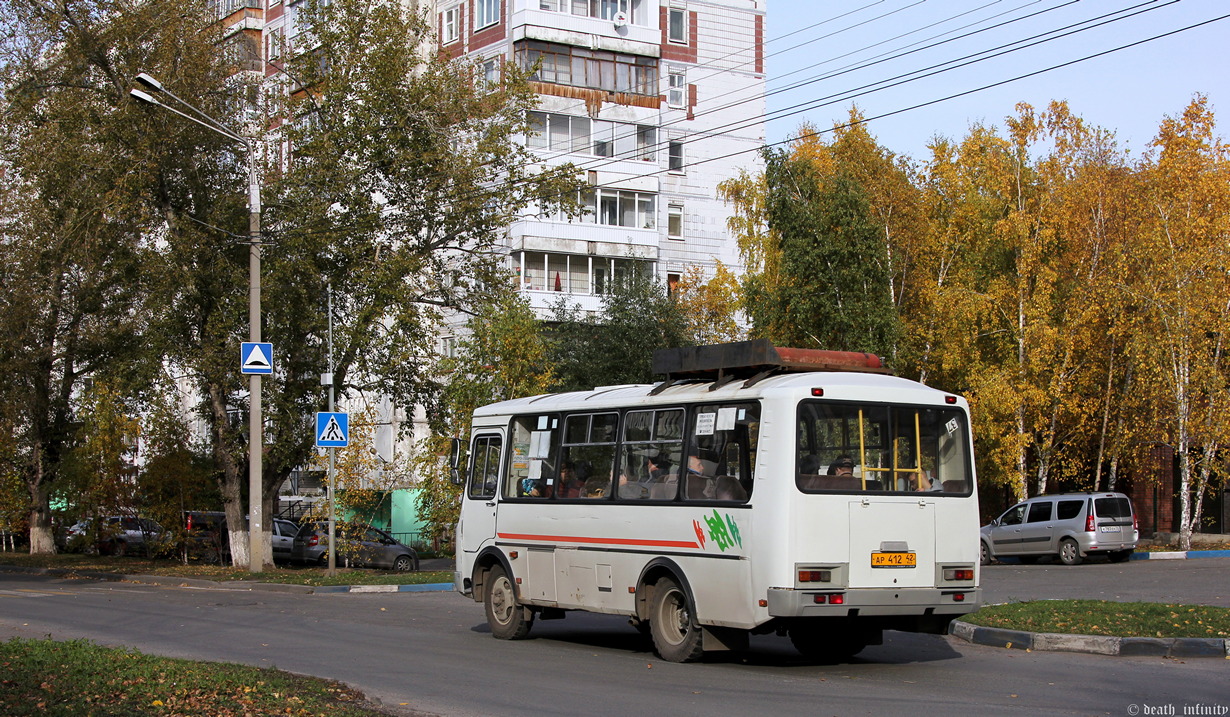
(532, 457)
(723, 439)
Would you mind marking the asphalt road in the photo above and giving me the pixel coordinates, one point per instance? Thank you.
(432, 652)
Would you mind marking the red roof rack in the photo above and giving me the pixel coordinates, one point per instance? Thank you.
(756, 359)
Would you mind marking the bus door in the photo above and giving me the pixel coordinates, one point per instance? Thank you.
(478, 513)
(892, 543)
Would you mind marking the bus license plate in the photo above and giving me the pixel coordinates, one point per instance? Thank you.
(1110, 529)
(894, 560)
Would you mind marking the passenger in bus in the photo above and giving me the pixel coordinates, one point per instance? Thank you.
(728, 488)
(663, 482)
(842, 466)
(839, 476)
(595, 488)
(921, 482)
(699, 483)
(570, 485)
(535, 488)
(630, 489)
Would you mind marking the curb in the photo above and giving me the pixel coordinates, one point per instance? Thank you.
(177, 582)
(1181, 555)
(1186, 647)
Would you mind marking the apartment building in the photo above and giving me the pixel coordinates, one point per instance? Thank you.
(657, 101)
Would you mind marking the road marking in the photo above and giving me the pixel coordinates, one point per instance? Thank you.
(25, 592)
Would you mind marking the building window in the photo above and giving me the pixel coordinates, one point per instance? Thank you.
(674, 156)
(677, 25)
(674, 220)
(491, 71)
(576, 274)
(448, 347)
(274, 40)
(581, 135)
(487, 13)
(623, 208)
(582, 67)
(676, 91)
(450, 25)
(605, 9)
(646, 143)
(612, 207)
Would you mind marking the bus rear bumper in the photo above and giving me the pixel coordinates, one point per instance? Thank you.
(867, 602)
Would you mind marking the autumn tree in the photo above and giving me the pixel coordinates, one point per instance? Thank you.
(1181, 277)
(711, 307)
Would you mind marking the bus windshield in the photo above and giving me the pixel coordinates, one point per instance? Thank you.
(878, 448)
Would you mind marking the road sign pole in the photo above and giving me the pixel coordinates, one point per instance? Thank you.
(332, 453)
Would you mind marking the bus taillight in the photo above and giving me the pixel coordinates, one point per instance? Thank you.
(815, 576)
(961, 574)
(830, 598)
(958, 597)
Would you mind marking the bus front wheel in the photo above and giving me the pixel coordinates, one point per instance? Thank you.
(506, 618)
(676, 635)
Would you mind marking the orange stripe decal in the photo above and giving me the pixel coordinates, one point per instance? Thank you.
(599, 541)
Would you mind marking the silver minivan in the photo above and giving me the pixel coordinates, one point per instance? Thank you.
(1071, 526)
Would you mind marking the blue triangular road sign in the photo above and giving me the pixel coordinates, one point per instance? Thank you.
(256, 357)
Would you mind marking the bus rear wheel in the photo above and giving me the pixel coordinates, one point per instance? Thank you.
(676, 635)
(506, 618)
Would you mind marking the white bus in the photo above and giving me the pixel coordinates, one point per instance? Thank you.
(748, 494)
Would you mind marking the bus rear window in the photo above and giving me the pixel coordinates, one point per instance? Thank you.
(882, 448)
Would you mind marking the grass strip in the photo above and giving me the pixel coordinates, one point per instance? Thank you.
(1101, 617)
(76, 678)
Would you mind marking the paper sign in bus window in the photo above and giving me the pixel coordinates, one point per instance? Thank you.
(540, 444)
(705, 423)
(726, 418)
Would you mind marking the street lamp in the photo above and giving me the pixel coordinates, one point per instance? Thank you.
(255, 422)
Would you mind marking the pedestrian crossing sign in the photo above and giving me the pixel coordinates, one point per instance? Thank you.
(256, 357)
(332, 430)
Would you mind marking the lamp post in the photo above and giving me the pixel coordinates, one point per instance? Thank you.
(255, 420)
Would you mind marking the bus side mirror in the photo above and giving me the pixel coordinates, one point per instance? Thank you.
(454, 462)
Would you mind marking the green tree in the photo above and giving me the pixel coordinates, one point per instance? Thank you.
(834, 284)
(503, 355)
(406, 169)
(615, 346)
(77, 247)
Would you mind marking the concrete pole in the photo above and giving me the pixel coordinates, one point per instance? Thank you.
(256, 449)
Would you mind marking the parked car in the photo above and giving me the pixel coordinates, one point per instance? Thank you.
(356, 545)
(209, 540)
(1071, 527)
(116, 535)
